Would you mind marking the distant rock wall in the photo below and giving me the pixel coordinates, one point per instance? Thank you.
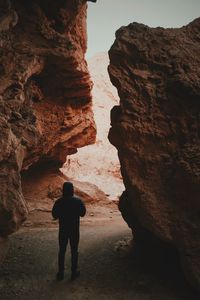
(45, 93)
(156, 131)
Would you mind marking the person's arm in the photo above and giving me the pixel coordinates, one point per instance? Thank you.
(82, 209)
(55, 210)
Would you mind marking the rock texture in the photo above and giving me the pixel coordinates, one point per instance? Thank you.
(156, 131)
(45, 99)
(99, 163)
(3, 248)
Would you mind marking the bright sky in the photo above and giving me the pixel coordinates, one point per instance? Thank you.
(106, 16)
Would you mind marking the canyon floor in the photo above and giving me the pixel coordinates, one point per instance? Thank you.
(111, 267)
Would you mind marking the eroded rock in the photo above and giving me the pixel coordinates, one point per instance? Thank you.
(99, 163)
(156, 131)
(45, 99)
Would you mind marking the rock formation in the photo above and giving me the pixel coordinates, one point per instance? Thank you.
(45, 93)
(156, 131)
(99, 163)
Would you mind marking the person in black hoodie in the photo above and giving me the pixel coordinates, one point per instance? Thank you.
(68, 211)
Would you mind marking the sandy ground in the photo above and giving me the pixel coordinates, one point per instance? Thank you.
(110, 266)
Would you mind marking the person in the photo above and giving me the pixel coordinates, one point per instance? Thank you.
(68, 209)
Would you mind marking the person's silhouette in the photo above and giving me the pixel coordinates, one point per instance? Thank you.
(68, 210)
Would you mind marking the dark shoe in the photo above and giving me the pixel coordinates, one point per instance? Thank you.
(74, 275)
(60, 276)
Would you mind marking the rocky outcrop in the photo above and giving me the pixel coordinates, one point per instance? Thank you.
(45, 99)
(156, 131)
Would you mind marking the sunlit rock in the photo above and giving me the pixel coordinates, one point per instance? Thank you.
(99, 163)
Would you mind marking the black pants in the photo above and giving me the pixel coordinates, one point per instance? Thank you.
(73, 238)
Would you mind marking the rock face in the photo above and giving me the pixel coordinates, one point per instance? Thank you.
(99, 163)
(156, 131)
(45, 98)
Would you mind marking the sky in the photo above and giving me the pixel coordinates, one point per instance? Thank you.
(106, 16)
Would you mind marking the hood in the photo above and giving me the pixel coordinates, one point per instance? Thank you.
(68, 190)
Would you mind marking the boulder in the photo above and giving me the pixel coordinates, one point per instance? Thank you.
(156, 132)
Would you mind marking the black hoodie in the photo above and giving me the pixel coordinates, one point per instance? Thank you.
(68, 209)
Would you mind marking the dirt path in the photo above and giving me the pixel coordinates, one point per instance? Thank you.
(109, 267)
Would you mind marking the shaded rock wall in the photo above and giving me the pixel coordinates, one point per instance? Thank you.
(3, 248)
(45, 99)
(156, 131)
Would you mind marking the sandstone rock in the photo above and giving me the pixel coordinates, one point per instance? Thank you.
(45, 88)
(156, 131)
(99, 163)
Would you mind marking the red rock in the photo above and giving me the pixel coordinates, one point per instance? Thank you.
(45, 94)
(156, 131)
(99, 163)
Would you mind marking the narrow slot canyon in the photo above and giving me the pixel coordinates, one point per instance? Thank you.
(121, 124)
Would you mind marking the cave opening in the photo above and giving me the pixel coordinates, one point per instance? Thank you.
(93, 169)
(98, 164)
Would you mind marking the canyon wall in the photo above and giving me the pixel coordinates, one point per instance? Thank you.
(45, 93)
(156, 131)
